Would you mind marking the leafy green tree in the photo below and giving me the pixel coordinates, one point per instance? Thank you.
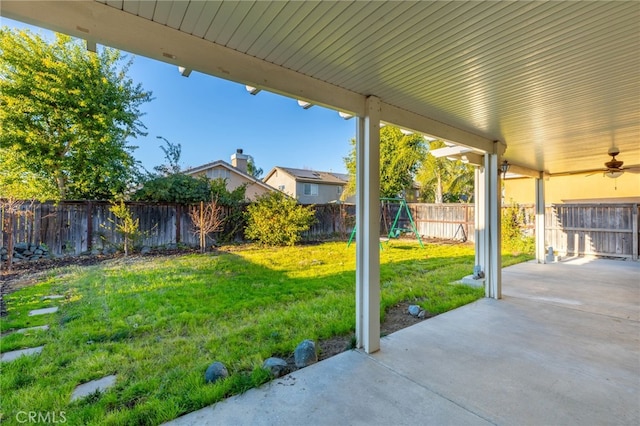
(444, 181)
(176, 188)
(400, 158)
(126, 226)
(67, 113)
(277, 220)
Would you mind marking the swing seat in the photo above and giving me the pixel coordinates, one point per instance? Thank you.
(396, 233)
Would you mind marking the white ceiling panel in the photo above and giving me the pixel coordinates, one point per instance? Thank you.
(558, 82)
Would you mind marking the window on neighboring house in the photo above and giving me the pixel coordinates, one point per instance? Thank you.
(339, 190)
(310, 189)
(281, 187)
(218, 174)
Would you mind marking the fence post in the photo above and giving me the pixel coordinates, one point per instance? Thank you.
(178, 220)
(89, 207)
(634, 231)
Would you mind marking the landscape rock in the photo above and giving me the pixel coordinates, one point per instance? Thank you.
(215, 372)
(305, 354)
(24, 251)
(276, 366)
(145, 250)
(414, 310)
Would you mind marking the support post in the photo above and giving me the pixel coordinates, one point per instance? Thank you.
(540, 220)
(634, 231)
(368, 225)
(493, 218)
(480, 228)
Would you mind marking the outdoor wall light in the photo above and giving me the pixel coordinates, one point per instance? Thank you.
(504, 168)
(185, 72)
(345, 115)
(252, 90)
(305, 104)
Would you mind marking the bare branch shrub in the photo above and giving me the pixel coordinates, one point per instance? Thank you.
(206, 218)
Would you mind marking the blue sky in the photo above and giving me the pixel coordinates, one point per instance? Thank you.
(211, 118)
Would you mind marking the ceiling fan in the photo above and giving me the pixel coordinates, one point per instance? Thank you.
(614, 167)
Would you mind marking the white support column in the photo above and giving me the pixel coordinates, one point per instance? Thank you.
(480, 218)
(368, 227)
(493, 218)
(540, 220)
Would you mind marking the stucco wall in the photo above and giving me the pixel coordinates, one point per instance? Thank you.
(279, 178)
(234, 180)
(326, 194)
(579, 187)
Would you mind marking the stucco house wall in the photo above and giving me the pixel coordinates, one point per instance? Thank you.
(329, 186)
(233, 177)
(560, 189)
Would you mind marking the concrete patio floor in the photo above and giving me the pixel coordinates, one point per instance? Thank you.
(561, 348)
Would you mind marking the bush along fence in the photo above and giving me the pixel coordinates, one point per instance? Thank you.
(73, 228)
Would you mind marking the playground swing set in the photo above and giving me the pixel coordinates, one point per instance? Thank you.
(396, 230)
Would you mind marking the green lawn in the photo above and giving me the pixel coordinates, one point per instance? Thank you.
(159, 322)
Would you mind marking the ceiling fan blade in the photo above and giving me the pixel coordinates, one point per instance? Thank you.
(594, 173)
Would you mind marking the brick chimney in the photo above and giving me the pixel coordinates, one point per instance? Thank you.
(239, 160)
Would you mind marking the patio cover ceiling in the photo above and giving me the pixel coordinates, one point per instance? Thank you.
(558, 82)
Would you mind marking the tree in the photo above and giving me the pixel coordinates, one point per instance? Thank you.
(126, 225)
(445, 181)
(252, 169)
(67, 113)
(172, 153)
(206, 218)
(400, 157)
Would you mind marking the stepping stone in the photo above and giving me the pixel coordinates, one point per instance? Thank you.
(95, 385)
(43, 311)
(53, 297)
(37, 328)
(10, 356)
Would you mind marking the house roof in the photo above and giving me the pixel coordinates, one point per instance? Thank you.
(225, 165)
(312, 176)
(556, 82)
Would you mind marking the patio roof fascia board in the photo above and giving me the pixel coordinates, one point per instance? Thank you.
(421, 124)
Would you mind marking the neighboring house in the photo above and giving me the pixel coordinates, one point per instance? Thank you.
(235, 174)
(309, 186)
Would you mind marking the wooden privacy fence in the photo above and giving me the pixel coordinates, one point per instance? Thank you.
(78, 227)
(593, 229)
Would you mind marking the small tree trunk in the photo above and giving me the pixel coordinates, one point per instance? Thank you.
(202, 230)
